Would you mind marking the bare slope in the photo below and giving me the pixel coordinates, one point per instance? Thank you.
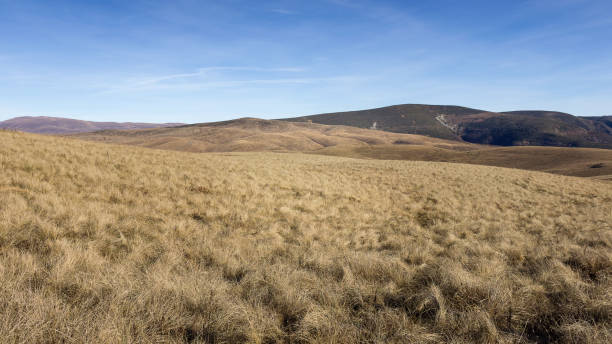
(251, 134)
(58, 125)
(108, 243)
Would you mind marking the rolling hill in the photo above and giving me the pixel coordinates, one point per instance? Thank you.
(107, 243)
(250, 134)
(410, 118)
(59, 125)
(456, 123)
(515, 128)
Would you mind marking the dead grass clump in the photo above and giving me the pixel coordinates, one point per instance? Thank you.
(29, 236)
(590, 264)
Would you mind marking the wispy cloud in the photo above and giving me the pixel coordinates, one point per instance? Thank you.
(552, 31)
(202, 72)
(345, 3)
(383, 12)
(283, 11)
(204, 78)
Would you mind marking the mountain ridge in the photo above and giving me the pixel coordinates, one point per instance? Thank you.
(61, 125)
(447, 122)
(451, 122)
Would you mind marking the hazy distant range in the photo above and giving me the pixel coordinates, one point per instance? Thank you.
(457, 123)
(59, 125)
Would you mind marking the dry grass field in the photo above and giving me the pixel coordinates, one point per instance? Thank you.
(119, 244)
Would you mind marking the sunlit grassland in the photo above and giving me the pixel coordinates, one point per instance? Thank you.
(106, 243)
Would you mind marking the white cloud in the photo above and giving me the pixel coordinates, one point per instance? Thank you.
(283, 11)
(345, 3)
(204, 78)
(202, 72)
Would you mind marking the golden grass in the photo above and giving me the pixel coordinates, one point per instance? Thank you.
(115, 244)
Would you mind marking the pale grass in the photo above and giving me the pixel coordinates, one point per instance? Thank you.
(115, 244)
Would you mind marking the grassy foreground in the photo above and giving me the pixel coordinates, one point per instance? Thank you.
(104, 243)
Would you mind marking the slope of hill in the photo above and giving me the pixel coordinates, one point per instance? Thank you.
(409, 118)
(117, 244)
(542, 128)
(605, 122)
(538, 128)
(58, 125)
(582, 162)
(251, 134)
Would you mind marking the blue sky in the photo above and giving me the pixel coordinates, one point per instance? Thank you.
(198, 61)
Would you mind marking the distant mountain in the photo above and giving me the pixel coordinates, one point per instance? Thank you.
(514, 128)
(409, 119)
(58, 125)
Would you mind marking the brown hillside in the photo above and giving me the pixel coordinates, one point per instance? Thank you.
(250, 134)
(514, 128)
